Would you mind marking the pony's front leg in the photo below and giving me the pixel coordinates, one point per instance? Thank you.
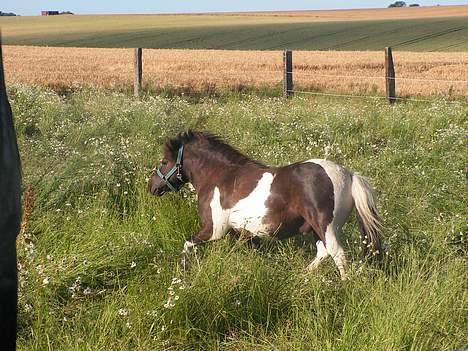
(203, 236)
(214, 223)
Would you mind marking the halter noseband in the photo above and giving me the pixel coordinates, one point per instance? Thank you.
(176, 168)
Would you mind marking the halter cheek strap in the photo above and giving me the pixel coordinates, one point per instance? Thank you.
(176, 168)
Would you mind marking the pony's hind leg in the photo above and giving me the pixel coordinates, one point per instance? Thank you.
(322, 253)
(335, 250)
(328, 243)
(313, 222)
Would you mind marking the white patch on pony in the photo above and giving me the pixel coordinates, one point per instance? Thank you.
(341, 179)
(249, 212)
(219, 216)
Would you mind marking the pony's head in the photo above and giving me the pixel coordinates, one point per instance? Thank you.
(206, 151)
(169, 176)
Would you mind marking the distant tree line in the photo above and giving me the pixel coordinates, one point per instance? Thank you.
(7, 13)
(402, 4)
(55, 13)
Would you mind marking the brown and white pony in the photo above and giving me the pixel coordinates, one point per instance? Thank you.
(238, 193)
(10, 218)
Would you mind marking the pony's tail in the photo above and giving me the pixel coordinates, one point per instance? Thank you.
(367, 215)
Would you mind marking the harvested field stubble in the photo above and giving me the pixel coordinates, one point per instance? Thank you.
(356, 72)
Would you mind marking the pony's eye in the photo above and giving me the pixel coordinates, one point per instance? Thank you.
(164, 162)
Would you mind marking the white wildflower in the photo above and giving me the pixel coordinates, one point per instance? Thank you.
(122, 312)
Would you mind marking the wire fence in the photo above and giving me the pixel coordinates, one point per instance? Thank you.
(374, 96)
(308, 79)
(389, 78)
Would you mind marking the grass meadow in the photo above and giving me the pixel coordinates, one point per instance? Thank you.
(98, 255)
(419, 30)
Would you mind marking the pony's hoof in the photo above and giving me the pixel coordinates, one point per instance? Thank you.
(311, 267)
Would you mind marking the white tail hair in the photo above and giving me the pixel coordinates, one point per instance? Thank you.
(368, 218)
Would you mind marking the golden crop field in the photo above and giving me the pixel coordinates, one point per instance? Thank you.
(356, 72)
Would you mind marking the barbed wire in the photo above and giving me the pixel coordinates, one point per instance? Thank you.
(377, 77)
(298, 74)
(429, 80)
(295, 73)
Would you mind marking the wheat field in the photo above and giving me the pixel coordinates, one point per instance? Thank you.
(358, 72)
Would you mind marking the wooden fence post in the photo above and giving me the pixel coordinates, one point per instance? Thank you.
(288, 73)
(389, 76)
(138, 72)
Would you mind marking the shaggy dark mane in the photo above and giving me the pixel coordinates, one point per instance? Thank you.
(211, 142)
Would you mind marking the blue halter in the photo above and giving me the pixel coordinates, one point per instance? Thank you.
(176, 168)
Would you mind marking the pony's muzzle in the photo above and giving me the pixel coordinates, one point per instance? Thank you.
(156, 190)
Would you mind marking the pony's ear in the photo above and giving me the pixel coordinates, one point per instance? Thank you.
(187, 134)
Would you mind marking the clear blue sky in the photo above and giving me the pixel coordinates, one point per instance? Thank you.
(33, 7)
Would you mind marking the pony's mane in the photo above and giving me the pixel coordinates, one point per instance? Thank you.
(211, 142)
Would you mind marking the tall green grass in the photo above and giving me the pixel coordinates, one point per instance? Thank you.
(98, 257)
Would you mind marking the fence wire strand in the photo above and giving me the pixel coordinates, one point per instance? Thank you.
(377, 77)
(372, 97)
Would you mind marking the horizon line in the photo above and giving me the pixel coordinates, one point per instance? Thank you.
(241, 12)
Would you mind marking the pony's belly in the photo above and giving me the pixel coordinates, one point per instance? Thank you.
(251, 223)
